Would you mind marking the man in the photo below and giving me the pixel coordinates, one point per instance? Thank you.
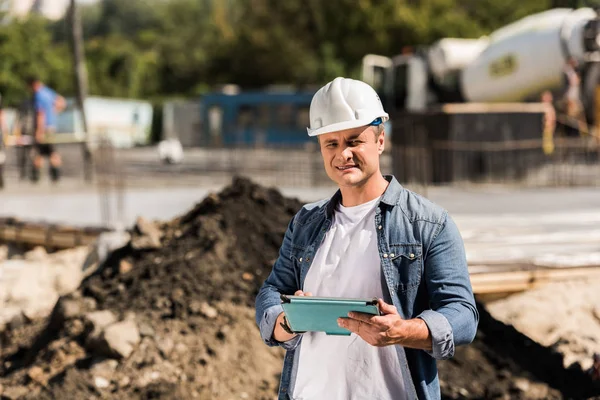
(574, 120)
(47, 103)
(549, 122)
(372, 238)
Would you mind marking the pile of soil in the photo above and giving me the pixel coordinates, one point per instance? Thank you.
(222, 250)
(188, 286)
(503, 363)
(564, 316)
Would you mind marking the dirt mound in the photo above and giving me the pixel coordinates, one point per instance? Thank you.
(222, 250)
(189, 287)
(564, 316)
(504, 363)
(171, 316)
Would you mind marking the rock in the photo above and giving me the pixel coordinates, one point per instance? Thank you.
(121, 338)
(104, 245)
(247, 276)
(125, 267)
(89, 303)
(14, 392)
(36, 374)
(7, 313)
(149, 235)
(521, 385)
(165, 346)
(124, 382)
(68, 308)
(147, 379)
(195, 307)
(99, 320)
(208, 311)
(28, 285)
(16, 322)
(104, 368)
(74, 327)
(101, 383)
(67, 278)
(129, 316)
(178, 295)
(37, 254)
(146, 330)
(181, 348)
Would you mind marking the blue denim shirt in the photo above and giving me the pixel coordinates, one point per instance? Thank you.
(424, 274)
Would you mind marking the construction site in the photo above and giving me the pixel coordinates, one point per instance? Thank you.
(163, 307)
(135, 275)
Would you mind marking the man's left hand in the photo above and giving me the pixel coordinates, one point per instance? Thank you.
(377, 330)
(389, 328)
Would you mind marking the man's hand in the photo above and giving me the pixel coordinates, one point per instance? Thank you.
(388, 329)
(279, 333)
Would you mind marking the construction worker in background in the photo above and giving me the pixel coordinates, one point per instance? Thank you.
(547, 99)
(574, 114)
(373, 238)
(47, 104)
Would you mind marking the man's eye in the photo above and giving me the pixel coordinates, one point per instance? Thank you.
(354, 143)
(331, 145)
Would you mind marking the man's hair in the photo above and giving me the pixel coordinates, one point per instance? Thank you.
(31, 79)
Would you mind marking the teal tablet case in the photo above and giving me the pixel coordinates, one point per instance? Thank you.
(320, 314)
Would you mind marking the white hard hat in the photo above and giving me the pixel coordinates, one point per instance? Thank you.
(344, 104)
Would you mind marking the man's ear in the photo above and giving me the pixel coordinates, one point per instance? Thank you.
(381, 142)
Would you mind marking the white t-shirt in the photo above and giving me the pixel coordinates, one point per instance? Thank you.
(347, 264)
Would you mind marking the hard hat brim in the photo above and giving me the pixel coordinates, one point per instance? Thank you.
(340, 126)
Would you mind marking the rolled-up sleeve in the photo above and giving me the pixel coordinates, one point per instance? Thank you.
(282, 279)
(453, 317)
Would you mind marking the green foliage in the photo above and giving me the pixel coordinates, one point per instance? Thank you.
(26, 49)
(162, 48)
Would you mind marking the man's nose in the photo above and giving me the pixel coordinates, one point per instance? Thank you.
(346, 154)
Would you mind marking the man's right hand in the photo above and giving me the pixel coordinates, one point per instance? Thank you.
(279, 333)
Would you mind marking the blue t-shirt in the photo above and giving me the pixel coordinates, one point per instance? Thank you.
(43, 100)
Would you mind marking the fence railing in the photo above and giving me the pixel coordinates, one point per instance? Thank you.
(572, 161)
(569, 162)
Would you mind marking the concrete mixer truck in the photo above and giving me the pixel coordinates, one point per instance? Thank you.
(488, 90)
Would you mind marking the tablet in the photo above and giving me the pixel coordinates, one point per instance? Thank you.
(320, 314)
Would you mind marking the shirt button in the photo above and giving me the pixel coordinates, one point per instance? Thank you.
(300, 259)
(392, 255)
(412, 255)
(385, 255)
(379, 227)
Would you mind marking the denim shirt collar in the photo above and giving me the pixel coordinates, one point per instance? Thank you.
(390, 196)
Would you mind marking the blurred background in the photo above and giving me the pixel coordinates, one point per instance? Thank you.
(132, 273)
(224, 84)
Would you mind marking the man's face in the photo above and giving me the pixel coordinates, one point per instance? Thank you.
(351, 156)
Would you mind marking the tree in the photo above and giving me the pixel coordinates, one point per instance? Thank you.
(26, 49)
